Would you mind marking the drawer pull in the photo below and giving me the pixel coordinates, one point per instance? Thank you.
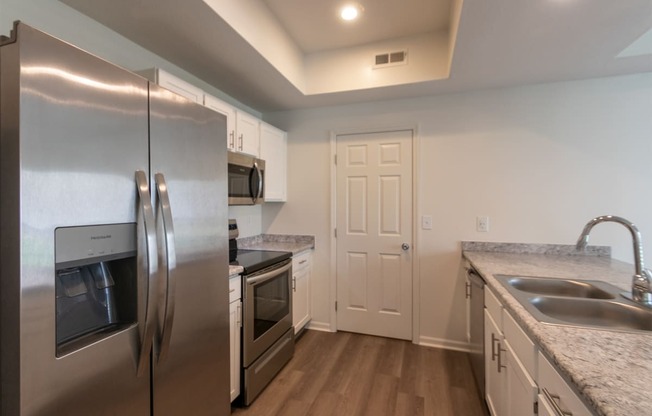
(303, 261)
(232, 290)
(499, 364)
(554, 401)
(493, 347)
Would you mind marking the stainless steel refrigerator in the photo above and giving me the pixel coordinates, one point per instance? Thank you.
(113, 256)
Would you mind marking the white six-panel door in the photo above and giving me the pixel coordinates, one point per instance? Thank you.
(374, 233)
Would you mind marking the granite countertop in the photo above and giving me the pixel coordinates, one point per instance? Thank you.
(278, 242)
(611, 370)
(235, 270)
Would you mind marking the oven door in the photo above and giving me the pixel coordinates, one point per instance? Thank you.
(267, 309)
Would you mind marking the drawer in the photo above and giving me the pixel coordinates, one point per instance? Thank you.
(552, 383)
(301, 261)
(494, 307)
(235, 288)
(523, 347)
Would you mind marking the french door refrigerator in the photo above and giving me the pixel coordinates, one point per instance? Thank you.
(113, 256)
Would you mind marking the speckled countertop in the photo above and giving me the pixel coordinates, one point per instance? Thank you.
(235, 270)
(611, 370)
(278, 242)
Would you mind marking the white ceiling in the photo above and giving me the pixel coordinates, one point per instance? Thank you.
(316, 25)
(498, 44)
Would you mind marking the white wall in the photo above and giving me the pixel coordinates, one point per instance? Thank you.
(249, 219)
(65, 23)
(540, 161)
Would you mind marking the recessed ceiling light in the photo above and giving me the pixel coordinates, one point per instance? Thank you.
(350, 12)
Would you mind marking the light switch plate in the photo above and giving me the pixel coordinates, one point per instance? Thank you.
(426, 222)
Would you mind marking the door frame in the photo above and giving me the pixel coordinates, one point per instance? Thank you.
(416, 235)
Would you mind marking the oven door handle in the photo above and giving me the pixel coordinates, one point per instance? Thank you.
(253, 281)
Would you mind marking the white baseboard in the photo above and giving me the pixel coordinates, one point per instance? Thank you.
(319, 326)
(444, 343)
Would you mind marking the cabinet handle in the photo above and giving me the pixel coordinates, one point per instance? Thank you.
(303, 261)
(232, 290)
(493, 347)
(239, 315)
(241, 141)
(554, 401)
(499, 364)
(294, 284)
(232, 139)
(468, 289)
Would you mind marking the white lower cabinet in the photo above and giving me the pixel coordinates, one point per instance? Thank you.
(521, 390)
(520, 381)
(235, 320)
(301, 274)
(509, 363)
(495, 385)
(556, 396)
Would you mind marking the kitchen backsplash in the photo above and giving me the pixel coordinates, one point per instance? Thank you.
(249, 219)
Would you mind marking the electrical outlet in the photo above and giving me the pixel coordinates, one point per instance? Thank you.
(482, 224)
(426, 222)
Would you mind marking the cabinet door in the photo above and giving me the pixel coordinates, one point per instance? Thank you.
(545, 409)
(222, 107)
(301, 276)
(495, 380)
(180, 87)
(552, 383)
(273, 149)
(235, 309)
(521, 390)
(247, 133)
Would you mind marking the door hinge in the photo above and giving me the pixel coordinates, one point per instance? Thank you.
(536, 408)
(335, 159)
(335, 306)
(335, 232)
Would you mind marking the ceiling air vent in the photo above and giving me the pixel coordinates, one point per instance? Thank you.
(383, 60)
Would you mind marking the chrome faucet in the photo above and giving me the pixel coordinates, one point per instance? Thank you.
(642, 279)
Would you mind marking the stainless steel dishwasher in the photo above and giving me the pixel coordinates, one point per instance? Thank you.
(475, 291)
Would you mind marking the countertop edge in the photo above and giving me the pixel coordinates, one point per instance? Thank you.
(589, 386)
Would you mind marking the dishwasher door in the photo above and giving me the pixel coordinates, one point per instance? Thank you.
(476, 321)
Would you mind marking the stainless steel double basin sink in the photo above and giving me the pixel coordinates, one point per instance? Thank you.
(582, 303)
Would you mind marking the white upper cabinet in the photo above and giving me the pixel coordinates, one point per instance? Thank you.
(247, 137)
(174, 84)
(243, 130)
(273, 150)
(222, 107)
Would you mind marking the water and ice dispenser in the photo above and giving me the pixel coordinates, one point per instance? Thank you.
(95, 283)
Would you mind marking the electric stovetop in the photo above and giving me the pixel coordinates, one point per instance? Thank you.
(255, 260)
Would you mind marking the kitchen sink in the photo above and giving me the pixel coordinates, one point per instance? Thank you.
(560, 287)
(579, 303)
(583, 312)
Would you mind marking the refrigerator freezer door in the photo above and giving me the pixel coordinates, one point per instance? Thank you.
(73, 131)
(188, 147)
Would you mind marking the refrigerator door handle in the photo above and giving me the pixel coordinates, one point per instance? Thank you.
(146, 246)
(167, 232)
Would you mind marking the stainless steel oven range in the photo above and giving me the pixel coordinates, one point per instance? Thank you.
(267, 333)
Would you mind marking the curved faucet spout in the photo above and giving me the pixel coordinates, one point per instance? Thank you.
(642, 280)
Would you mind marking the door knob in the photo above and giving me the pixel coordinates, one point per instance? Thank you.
(405, 246)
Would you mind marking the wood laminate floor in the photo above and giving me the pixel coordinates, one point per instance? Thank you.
(347, 374)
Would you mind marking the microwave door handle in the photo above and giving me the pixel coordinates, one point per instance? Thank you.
(260, 182)
(170, 258)
(269, 275)
(147, 250)
(254, 178)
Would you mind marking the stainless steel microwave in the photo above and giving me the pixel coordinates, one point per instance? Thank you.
(246, 179)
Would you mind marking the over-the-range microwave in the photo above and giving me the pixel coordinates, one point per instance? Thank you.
(246, 179)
